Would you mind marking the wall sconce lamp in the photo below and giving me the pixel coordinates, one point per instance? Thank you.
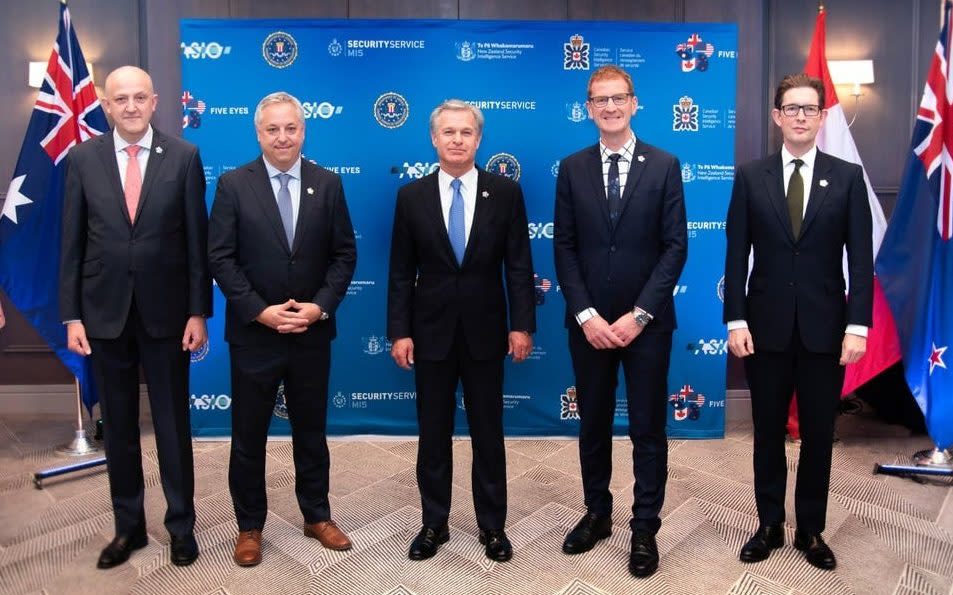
(38, 72)
(852, 72)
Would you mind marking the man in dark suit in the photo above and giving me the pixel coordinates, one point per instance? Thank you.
(798, 209)
(620, 245)
(282, 250)
(454, 232)
(135, 290)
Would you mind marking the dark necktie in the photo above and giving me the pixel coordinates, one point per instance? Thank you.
(796, 198)
(613, 190)
(285, 208)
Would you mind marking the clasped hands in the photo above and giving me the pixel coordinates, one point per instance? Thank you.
(620, 333)
(290, 317)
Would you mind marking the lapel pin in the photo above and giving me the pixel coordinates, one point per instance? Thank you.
(485, 194)
(641, 158)
(310, 190)
(822, 183)
(159, 150)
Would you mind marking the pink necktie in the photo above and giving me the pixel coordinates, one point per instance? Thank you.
(133, 181)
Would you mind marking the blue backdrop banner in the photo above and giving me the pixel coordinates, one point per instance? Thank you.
(368, 88)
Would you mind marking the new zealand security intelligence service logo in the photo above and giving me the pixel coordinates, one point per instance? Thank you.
(280, 49)
(192, 110)
(687, 403)
(688, 174)
(568, 406)
(391, 110)
(197, 356)
(504, 164)
(576, 112)
(375, 345)
(694, 53)
(685, 115)
(576, 54)
(465, 51)
(281, 405)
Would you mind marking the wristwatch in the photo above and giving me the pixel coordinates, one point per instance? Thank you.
(642, 317)
(324, 315)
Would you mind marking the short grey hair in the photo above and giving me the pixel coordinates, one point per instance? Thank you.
(456, 105)
(275, 98)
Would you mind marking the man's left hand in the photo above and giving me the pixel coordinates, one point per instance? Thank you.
(853, 348)
(195, 335)
(521, 345)
(304, 315)
(626, 328)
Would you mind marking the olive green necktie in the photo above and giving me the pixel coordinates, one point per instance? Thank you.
(796, 198)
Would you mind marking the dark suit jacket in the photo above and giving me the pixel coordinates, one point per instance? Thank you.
(429, 294)
(160, 259)
(255, 268)
(803, 277)
(635, 263)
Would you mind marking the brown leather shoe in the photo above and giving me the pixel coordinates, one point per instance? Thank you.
(328, 534)
(248, 548)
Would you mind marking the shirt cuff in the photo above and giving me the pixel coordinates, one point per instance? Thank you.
(586, 315)
(69, 321)
(856, 329)
(734, 325)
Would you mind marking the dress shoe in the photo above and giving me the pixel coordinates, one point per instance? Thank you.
(765, 539)
(815, 550)
(586, 533)
(328, 533)
(427, 541)
(643, 557)
(498, 546)
(120, 548)
(248, 548)
(184, 550)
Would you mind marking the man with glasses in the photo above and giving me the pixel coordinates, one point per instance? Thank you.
(620, 245)
(798, 209)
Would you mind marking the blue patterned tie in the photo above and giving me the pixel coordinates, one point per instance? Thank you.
(456, 228)
(284, 207)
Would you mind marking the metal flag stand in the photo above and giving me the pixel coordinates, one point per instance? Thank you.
(80, 446)
(935, 461)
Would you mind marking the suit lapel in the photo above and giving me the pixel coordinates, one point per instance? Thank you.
(265, 195)
(635, 174)
(434, 210)
(156, 158)
(774, 184)
(594, 168)
(107, 154)
(818, 193)
(481, 213)
(306, 202)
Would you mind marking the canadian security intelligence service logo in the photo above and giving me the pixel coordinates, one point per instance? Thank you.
(576, 54)
(576, 112)
(391, 110)
(280, 49)
(568, 406)
(339, 400)
(199, 355)
(281, 405)
(334, 48)
(375, 345)
(687, 403)
(688, 174)
(192, 110)
(541, 286)
(694, 53)
(686, 115)
(504, 164)
(465, 51)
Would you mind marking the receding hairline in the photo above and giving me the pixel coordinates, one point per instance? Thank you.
(123, 71)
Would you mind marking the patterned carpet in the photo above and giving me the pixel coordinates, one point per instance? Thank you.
(891, 535)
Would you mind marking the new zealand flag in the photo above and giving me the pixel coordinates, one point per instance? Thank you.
(66, 112)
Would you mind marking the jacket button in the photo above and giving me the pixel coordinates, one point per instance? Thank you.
(612, 249)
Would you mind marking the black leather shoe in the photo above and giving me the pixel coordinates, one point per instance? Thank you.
(498, 546)
(587, 533)
(643, 557)
(815, 550)
(184, 550)
(119, 549)
(427, 541)
(765, 539)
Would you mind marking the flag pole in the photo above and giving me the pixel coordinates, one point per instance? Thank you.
(81, 445)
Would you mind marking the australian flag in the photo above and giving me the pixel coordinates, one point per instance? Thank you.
(915, 262)
(66, 112)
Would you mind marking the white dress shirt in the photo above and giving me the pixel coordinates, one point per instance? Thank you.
(468, 189)
(122, 157)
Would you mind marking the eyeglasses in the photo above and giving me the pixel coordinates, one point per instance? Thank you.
(603, 100)
(810, 111)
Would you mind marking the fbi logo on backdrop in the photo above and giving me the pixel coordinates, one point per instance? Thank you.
(685, 114)
(576, 54)
(465, 51)
(391, 110)
(504, 164)
(192, 110)
(687, 404)
(280, 49)
(694, 53)
(199, 355)
(568, 405)
(720, 289)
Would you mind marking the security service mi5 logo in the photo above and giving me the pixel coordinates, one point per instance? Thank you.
(192, 110)
(687, 403)
(280, 49)
(334, 48)
(391, 110)
(465, 51)
(576, 54)
(685, 115)
(694, 53)
(504, 164)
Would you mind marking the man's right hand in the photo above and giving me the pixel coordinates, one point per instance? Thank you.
(403, 352)
(281, 317)
(740, 342)
(600, 335)
(76, 339)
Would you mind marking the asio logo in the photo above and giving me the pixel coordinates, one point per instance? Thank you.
(568, 405)
(415, 170)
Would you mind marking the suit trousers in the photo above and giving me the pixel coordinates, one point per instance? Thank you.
(256, 373)
(644, 364)
(115, 364)
(773, 378)
(436, 383)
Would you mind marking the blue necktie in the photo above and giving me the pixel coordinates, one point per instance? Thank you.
(284, 207)
(456, 228)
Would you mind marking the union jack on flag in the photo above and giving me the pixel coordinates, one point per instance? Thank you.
(915, 262)
(66, 112)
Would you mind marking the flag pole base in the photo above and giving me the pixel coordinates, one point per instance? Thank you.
(80, 446)
(39, 476)
(934, 461)
(934, 457)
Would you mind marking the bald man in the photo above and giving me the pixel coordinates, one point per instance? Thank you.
(135, 290)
